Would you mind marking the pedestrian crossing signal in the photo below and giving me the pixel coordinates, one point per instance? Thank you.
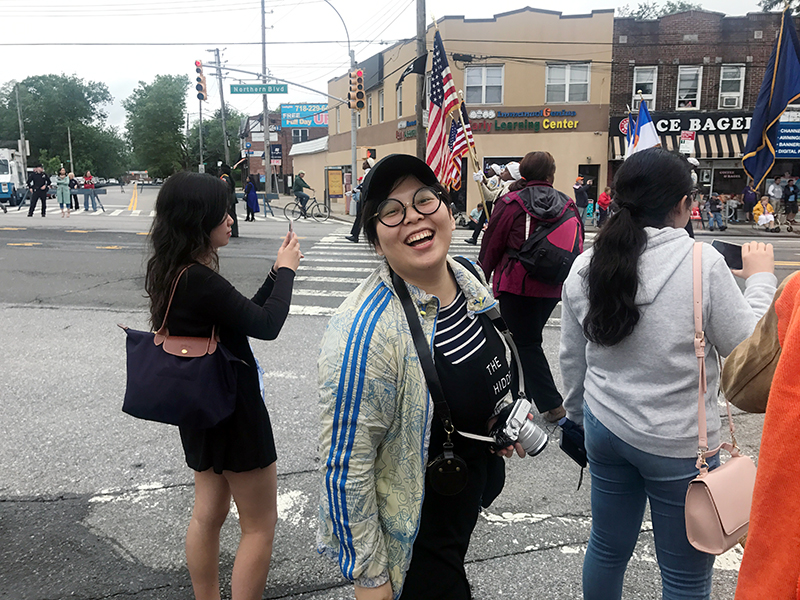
(202, 92)
(355, 98)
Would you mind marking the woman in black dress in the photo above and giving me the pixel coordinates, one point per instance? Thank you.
(236, 457)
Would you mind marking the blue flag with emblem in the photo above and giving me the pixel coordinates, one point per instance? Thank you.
(781, 86)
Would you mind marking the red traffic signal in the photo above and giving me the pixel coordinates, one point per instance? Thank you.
(355, 98)
(202, 92)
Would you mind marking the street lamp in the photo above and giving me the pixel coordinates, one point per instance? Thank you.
(353, 117)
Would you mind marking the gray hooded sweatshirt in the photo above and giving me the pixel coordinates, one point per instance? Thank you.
(644, 389)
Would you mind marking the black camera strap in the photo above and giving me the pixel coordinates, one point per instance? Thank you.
(440, 406)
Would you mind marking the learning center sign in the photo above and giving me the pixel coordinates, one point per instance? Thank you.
(304, 115)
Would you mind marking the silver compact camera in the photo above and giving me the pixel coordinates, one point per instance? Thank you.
(513, 425)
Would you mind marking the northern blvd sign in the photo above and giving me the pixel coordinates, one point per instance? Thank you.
(260, 88)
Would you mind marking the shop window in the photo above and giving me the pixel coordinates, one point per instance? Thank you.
(731, 86)
(484, 85)
(689, 79)
(567, 83)
(369, 110)
(400, 101)
(380, 107)
(299, 135)
(644, 87)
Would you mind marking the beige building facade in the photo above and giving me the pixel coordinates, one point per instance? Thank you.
(532, 80)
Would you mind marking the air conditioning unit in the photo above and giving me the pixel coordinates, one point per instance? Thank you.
(730, 102)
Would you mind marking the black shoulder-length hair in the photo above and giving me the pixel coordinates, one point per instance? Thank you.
(188, 207)
(648, 187)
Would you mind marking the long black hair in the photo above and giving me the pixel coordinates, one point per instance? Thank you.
(188, 207)
(649, 185)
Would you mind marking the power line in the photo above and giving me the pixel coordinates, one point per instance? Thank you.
(188, 43)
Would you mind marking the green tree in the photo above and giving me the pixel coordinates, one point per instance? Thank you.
(651, 9)
(155, 118)
(53, 104)
(213, 148)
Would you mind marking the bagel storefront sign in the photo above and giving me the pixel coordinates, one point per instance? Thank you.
(523, 121)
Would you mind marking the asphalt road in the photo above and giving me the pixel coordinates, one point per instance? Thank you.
(94, 504)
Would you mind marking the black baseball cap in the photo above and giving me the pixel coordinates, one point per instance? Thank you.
(380, 179)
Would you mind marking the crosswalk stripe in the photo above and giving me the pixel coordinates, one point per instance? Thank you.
(152, 213)
(330, 268)
(314, 311)
(116, 212)
(374, 261)
(135, 213)
(334, 293)
(328, 279)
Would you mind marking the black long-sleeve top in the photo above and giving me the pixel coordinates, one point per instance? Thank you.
(203, 299)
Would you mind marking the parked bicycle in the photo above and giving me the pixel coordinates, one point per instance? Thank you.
(318, 212)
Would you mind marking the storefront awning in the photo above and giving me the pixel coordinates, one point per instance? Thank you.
(707, 145)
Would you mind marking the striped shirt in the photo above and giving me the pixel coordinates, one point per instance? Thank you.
(457, 335)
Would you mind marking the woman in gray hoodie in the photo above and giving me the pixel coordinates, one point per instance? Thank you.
(630, 371)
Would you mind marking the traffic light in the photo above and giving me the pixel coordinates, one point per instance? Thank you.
(202, 92)
(355, 98)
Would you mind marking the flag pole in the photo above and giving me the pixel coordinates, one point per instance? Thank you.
(473, 153)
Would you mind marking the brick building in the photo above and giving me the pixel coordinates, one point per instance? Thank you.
(284, 132)
(698, 71)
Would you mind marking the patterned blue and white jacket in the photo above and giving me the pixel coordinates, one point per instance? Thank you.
(376, 415)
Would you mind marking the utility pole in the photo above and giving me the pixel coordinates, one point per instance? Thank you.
(222, 102)
(353, 134)
(69, 141)
(267, 178)
(201, 168)
(421, 47)
(23, 146)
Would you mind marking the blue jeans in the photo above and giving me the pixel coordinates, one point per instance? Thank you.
(714, 217)
(86, 201)
(623, 480)
(302, 198)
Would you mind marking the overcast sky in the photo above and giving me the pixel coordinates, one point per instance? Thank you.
(198, 25)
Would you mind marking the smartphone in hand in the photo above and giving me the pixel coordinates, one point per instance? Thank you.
(291, 224)
(732, 253)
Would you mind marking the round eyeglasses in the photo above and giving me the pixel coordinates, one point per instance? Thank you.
(392, 212)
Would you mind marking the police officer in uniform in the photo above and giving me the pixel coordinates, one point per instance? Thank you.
(38, 183)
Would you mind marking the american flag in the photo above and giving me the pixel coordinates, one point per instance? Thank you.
(443, 101)
(457, 142)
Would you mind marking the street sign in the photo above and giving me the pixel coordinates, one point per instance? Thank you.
(260, 88)
(687, 142)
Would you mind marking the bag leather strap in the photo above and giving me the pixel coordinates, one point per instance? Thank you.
(700, 352)
(163, 333)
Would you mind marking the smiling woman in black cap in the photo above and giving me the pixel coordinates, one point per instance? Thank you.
(379, 427)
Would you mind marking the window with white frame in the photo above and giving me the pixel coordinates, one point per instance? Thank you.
(484, 85)
(369, 110)
(688, 96)
(299, 135)
(567, 83)
(400, 101)
(731, 86)
(644, 87)
(380, 107)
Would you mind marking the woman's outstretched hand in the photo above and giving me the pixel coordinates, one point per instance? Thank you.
(757, 257)
(289, 254)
